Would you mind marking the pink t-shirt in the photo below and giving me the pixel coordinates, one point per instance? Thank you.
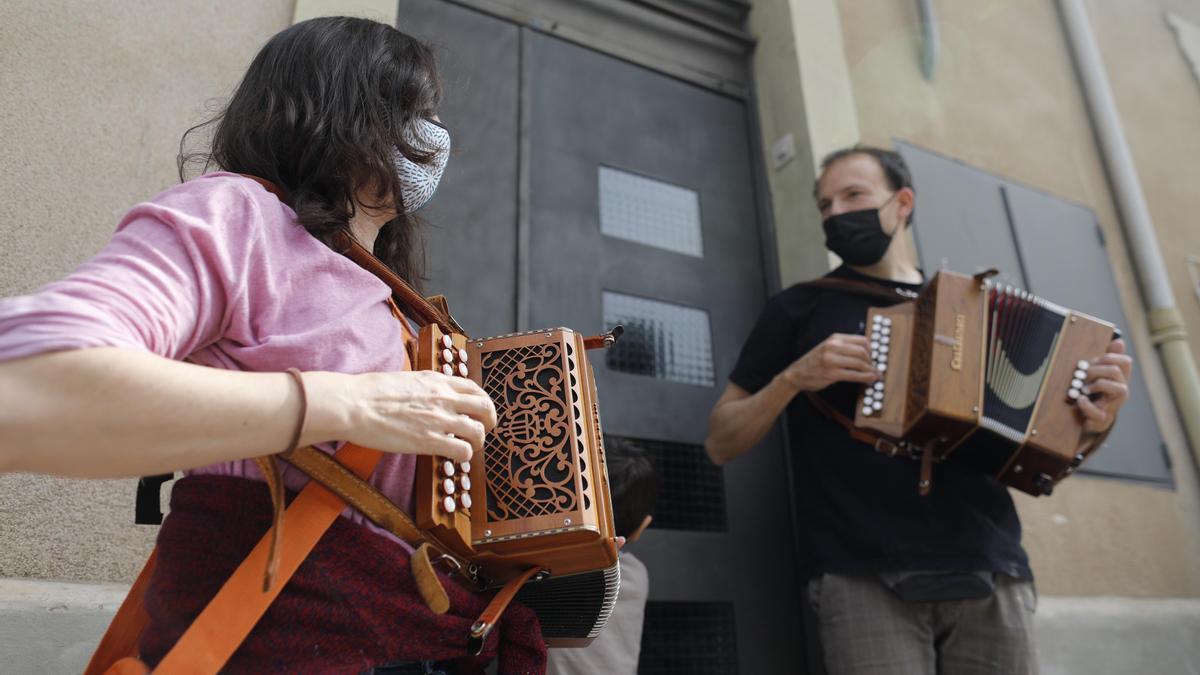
(217, 272)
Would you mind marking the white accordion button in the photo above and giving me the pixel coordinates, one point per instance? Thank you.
(874, 344)
(1076, 384)
(882, 358)
(447, 468)
(1083, 365)
(447, 356)
(462, 355)
(867, 409)
(448, 504)
(465, 483)
(447, 342)
(1080, 374)
(887, 320)
(448, 486)
(447, 370)
(886, 330)
(885, 339)
(462, 369)
(883, 349)
(877, 405)
(878, 319)
(879, 385)
(882, 367)
(1072, 394)
(465, 466)
(464, 500)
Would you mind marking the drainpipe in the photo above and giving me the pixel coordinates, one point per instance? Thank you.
(1166, 324)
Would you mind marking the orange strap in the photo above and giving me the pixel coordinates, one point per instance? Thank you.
(120, 640)
(216, 634)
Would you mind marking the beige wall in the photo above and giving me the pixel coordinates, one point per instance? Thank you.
(1005, 98)
(93, 100)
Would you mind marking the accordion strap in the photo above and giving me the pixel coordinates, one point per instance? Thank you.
(863, 288)
(880, 443)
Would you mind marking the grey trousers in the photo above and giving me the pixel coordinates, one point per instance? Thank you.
(866, 630)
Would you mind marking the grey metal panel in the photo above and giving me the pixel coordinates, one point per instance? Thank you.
(1066, 263)
(688, 43)
(960, 222)
(472, 240)
(589, 110)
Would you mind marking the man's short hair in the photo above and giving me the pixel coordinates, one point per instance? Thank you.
(895, 169)
(632, 481)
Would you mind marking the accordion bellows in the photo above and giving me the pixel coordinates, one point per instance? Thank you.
(538, 496)
(988, 372)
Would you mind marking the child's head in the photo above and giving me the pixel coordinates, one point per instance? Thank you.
(633, 484)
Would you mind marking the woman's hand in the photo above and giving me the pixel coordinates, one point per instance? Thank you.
(417, 412)
(840, 358)
(1108, 376)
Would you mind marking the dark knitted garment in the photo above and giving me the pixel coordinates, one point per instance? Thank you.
(352, 605)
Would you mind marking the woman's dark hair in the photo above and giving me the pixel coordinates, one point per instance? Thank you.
(319, 113)
(632, 481)
(895, 170)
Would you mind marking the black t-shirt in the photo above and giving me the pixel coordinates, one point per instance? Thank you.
(858, 510)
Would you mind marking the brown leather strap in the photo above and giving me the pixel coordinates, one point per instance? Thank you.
(478, 634)
(925, 484)
(882, 444)
(270, 471)
(420, 309)
(863, 288)
(356, 492)
(120, 640)
(222, 626)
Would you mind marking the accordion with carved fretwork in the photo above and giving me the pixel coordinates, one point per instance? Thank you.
(987, 372)
(538, 497)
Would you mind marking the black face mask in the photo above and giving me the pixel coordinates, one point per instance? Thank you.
(857, 237)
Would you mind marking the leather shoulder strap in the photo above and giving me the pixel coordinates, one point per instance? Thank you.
(862, 288)
(223, 625)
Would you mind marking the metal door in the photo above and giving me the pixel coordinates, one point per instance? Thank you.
(621, 194)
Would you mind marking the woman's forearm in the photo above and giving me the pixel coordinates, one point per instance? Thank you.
(109, 412)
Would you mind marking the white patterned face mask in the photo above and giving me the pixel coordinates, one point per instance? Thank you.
(418, 182)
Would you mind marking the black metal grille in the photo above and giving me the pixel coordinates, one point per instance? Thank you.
(691, 489)
(688, 638)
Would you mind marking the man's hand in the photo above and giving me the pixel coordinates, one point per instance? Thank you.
(1108, 376)
(840, 358)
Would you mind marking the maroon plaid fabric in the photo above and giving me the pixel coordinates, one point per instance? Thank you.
(351, 606)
